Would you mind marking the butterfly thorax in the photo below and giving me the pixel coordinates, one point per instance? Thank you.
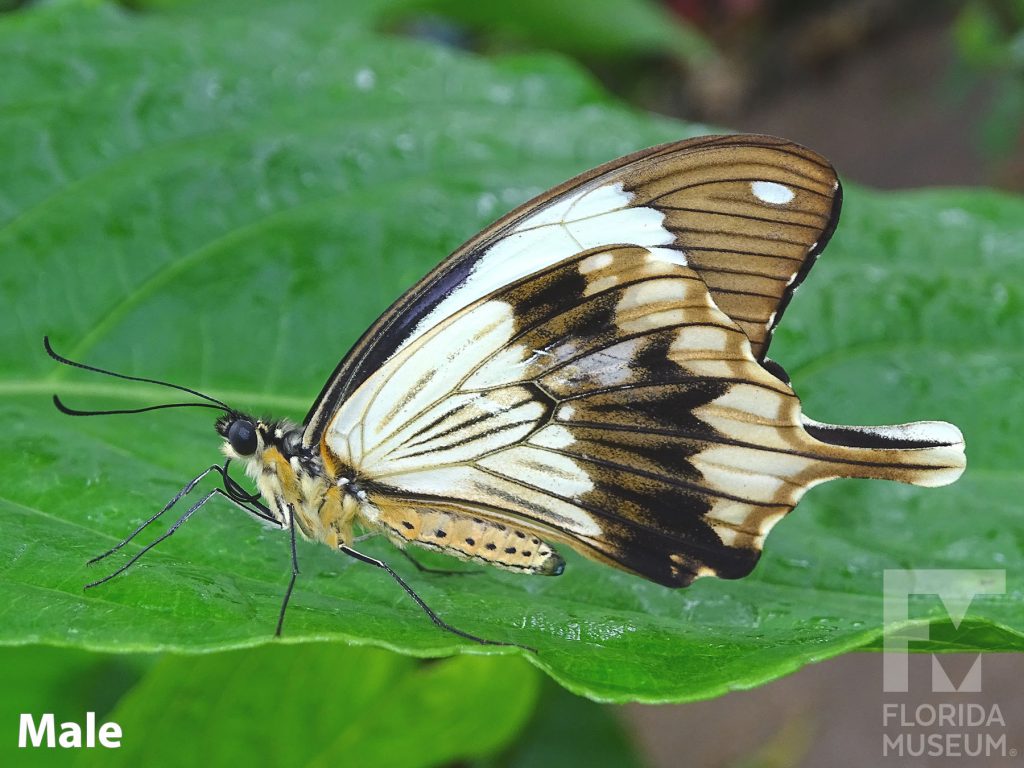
(291, 479)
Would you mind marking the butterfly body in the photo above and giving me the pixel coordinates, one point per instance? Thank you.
(466, 536)
(329, 498)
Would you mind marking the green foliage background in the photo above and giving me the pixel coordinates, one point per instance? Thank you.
(226, 197)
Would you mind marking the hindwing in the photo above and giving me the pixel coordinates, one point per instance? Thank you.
(605, 401)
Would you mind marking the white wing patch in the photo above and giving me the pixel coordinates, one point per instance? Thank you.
(385, 402)
(772, 192)
(445, 418)
(592, 217)
(541, 469)
(472, 484)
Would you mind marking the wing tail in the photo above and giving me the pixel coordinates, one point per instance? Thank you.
(927, 453)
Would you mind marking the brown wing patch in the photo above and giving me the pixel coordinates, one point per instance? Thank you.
(751, 213)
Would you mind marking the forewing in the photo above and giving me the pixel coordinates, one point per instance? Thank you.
(751, 213)
(748, 214)
(605, 401)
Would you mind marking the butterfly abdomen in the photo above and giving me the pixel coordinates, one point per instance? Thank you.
(468, 538)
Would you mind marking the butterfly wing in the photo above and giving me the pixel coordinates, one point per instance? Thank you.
(606, 402)
(591, 369)
(748, 214)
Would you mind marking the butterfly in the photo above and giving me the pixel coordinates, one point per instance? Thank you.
(588, 371)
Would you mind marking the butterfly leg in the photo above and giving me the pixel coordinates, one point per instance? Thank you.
(438, 621)
(234, 493)
(295, 573)
(184, 491)
(254, 508)
(436, 571)
(167, 534)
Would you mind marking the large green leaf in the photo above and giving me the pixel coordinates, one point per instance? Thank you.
(227, 202)
(320, 706)
(568, 730)
(307, 705)
(609, 30)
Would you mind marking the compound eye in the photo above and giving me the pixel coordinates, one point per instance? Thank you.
(242, 436)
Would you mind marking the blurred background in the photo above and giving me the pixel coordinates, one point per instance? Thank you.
(897, 95)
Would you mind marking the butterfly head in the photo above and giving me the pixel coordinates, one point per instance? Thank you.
(247, 438)
(245, 441)
(243, 435)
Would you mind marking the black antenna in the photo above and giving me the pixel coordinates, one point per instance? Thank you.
(212, 402)
(75, 412)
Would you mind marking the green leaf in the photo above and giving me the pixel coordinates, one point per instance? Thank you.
(590, 29)
(568, 730)
(320, 705)
(227, 202)
(283, 705)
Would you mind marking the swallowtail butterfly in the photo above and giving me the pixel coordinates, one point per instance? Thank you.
(589, 371)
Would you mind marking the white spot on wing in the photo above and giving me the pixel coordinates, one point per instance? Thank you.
(772, 193)
(601, 284)
(726, 534)
(734, 513)
(667, 254)
(553, 436)
(748, 400)
(750, 473)
(702, 338)
(596, 262)
(653, 292)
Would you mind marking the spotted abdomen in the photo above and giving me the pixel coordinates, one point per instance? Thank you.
(467, 537)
